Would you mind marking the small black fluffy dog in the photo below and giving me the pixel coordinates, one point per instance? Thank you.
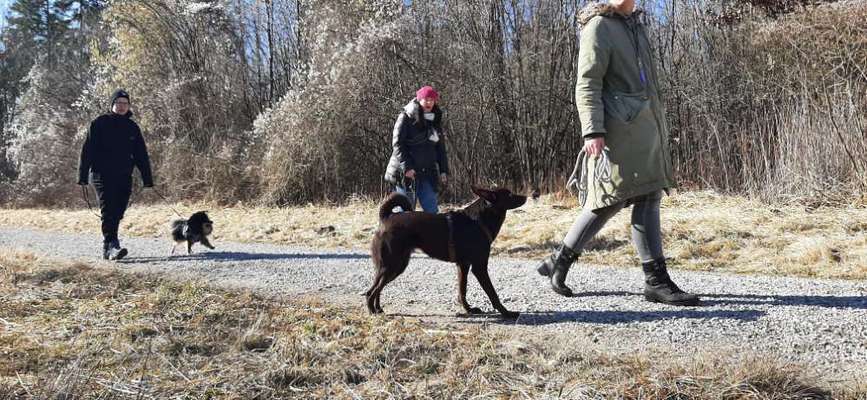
(195, 229)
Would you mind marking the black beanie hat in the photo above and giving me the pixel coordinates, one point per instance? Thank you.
(118, 94)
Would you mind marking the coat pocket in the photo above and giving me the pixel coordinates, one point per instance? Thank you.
(625, 107)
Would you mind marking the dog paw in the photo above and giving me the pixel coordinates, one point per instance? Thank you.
(474, 310)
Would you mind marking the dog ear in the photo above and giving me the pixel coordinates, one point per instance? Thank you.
(488, 195)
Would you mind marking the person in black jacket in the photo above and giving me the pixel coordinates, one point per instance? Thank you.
(418, 156)
(114, 145)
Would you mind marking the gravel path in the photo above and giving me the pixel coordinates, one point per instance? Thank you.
(820, 324)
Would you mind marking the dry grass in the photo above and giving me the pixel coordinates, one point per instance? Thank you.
(703, 231)
(72, 330)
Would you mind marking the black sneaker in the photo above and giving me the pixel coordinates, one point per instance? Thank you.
(116, 252)
(121, 253)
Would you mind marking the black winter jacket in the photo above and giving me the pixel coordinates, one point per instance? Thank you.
(114, 145)
(417, 144)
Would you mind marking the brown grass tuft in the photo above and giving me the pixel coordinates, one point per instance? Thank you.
(146, 337)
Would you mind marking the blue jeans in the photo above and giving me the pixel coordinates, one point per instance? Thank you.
(424, 194)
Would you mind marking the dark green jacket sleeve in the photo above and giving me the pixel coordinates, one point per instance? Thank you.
(593, 58)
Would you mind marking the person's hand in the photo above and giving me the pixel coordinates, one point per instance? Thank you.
(444, 179)
(594, 146)
(410, 174)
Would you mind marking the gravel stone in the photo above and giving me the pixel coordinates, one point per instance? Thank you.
(819, 324)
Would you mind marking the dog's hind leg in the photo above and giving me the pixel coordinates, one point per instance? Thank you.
(383, 278)
(401, 260)
(480, 270)
(463, 271)
(371, 301)
(174, 246)
(392, 266)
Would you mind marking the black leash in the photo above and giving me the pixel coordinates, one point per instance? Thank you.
(411, 190)
(132, 196)
(154, 189)
(86, 200)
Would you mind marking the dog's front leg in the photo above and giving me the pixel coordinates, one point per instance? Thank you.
(207, 243)
(189, 247)
(480, 270)
(463, 271)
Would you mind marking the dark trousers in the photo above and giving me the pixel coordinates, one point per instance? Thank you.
(113, 194)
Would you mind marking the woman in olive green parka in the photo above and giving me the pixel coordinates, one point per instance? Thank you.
(625, 142)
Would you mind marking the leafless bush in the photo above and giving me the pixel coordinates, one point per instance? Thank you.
(288, 102)
(509, 120)
(768, 108)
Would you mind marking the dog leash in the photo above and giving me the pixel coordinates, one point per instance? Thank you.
(166, 201)
(86, 200)
(411, 190)
(132, 196)
(602, 173)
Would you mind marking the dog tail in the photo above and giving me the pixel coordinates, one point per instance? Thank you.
(178, 230)
(392, 201)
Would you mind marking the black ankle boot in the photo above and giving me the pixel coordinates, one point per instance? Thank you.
(557, 267)
(659, 288)
(106, 250)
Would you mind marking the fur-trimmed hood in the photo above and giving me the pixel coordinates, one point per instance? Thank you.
(413, 110)
(604, 9)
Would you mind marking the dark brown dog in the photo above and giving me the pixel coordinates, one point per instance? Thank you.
(454, 236)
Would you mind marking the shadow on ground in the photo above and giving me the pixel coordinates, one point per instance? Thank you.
(235, 256)
(710, 309)
(857, 302)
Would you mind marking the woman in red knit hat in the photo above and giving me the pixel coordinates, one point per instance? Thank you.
(418, 156)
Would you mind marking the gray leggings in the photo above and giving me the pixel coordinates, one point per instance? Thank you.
(646, 233)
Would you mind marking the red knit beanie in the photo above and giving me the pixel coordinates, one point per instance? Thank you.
(426, 92)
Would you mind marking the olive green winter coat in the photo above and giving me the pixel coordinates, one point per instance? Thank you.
(616, 100)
